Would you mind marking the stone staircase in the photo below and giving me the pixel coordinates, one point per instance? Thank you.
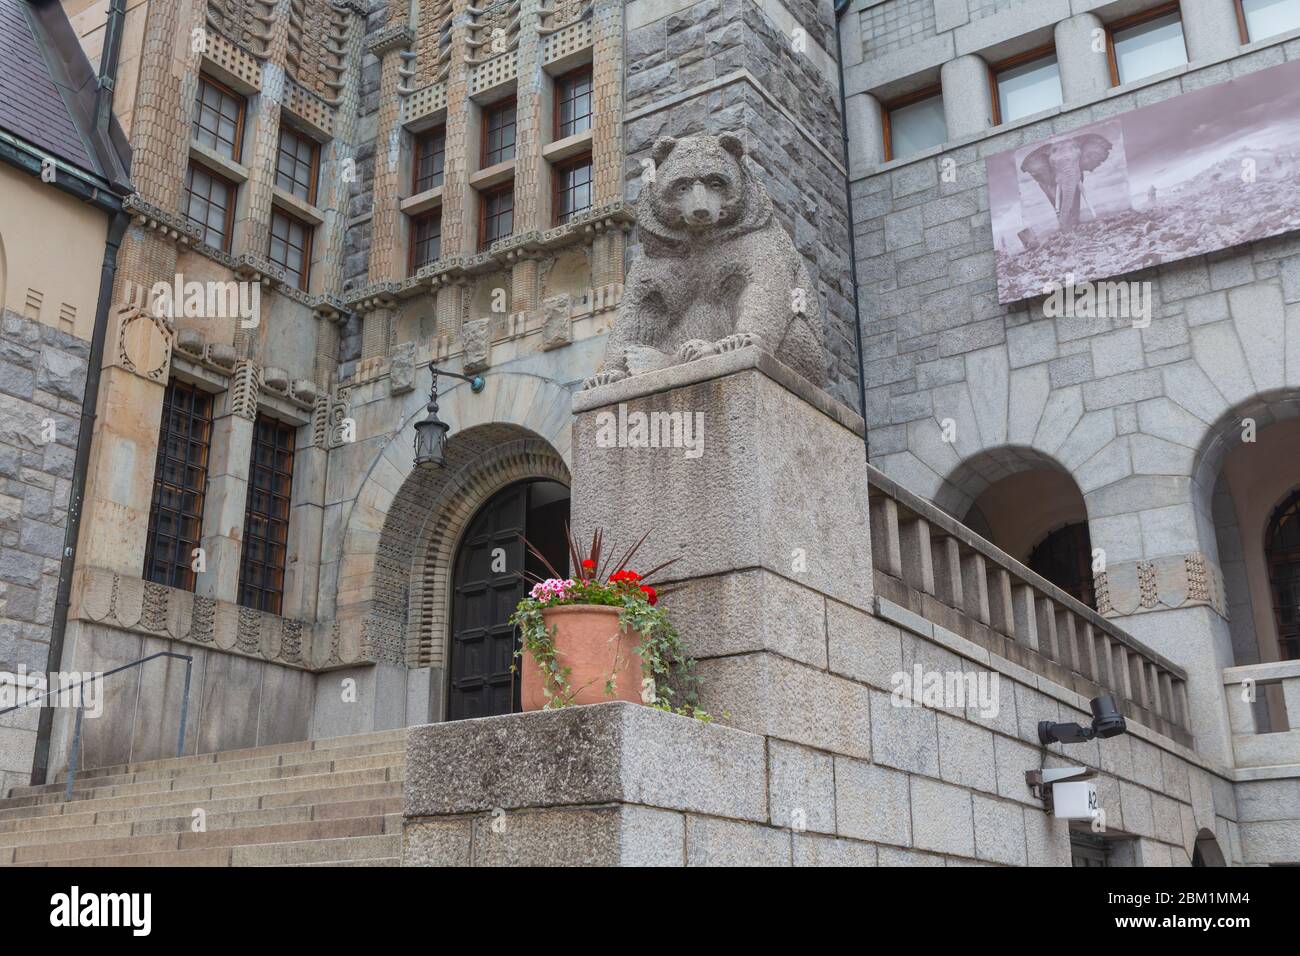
(334, 802)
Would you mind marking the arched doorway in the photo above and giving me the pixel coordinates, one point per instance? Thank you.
(489, 578)
(1282, 555)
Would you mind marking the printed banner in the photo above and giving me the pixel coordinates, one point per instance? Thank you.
(1199, 172)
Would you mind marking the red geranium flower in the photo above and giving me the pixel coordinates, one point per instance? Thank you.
(651, 595)
(621, 577)
(589, 564)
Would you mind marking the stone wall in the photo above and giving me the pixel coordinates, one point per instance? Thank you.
(963, 391)
(726, 66)
(42, 379)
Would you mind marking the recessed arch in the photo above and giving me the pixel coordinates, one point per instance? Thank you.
(1206, 850)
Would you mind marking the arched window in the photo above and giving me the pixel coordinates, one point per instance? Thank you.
(1064, 557)
(1282, 553)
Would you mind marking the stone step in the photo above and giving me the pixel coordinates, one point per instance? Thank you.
(71, 814)
(266, 750)
(203, 793)
(182, 821)
(274, 833)
(159, 780)
(309, 803)
(115, 776)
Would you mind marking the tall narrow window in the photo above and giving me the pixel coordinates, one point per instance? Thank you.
(499, 134)
(426, 239)
(180, 481)
(914, 124)
(498, 219)
(1282, 552)
(1026, 85)
(572, 189)
(209, 202)
(296, 164)
(573, 103)
(219, 118)
(1146, 44)
(266, 516)
(430, 159)
(291, 247)
(1261, 19)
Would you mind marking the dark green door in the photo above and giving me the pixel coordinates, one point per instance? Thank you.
(488, 582)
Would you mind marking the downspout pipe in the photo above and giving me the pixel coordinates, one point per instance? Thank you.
(117, 225)
(840, 7)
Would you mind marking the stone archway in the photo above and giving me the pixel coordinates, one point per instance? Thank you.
(407, 618)
(1206, 850)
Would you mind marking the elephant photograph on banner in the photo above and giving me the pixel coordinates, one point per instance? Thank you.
(1188, 175)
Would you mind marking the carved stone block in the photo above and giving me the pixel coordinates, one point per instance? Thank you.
(557, 326)
(477, 340)
(401, 369)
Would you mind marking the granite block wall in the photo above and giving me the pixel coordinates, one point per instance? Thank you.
(42, 379)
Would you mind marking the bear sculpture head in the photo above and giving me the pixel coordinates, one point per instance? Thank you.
(702, 190)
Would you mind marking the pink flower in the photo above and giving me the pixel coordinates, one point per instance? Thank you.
(552, 589)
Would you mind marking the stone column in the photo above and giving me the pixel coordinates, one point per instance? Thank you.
(532, 119)
(768, 546)
(525, 284)
(1081, 54)
(1211, 29)
(967, 98)
(607, 255)
(459, 201)
(262, 142)
(306, 523)
(866, 126)
(227, 496)
(607, 102)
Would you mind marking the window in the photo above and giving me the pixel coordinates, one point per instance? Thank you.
(430, 159)
(1025, 85)
(209, 202)
(296, 164)
(1064, 557)
(573, 103)
(426, 239)
(180, 480)
(291, 247)
(498, 219)
(1282, 554)
(266, 516)
(572, 189)
(219, 118)
(914, 124)
(499, 134)
(1261, 19)
(1146, 44)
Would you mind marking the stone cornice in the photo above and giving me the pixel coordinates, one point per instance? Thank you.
(397, 36)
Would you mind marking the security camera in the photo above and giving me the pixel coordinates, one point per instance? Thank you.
(1107, 721)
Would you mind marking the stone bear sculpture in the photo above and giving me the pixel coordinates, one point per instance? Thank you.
(718, 271)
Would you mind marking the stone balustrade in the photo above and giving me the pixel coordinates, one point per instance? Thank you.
(929, 563)
(1275, 745)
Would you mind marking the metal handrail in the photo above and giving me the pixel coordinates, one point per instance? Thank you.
(76, 733)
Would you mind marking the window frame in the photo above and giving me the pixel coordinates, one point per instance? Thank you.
(910, 99)
(484, 197)
(508, 103)
(182, 571)
(1047, 50)
(282, 487)
(1243, 27)
(557, 189)
(418, 153)
(412, 265)
(1136, 20)
(231, 192)
(309, 231)
(237, 149)
(560, 81)
(314, 184)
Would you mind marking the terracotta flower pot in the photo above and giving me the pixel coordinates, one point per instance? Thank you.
(589, 641)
